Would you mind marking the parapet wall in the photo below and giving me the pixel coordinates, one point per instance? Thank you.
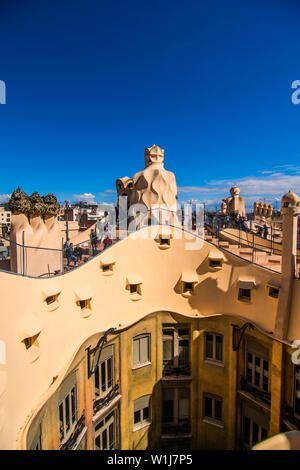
(38, 233)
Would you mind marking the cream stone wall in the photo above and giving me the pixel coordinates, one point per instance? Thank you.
(38, 234)
(73, 228)
(64, 329)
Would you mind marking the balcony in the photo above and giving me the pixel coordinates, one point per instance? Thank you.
(70, 443)
(104, 401)
(255, 392)
(175, 430)
(180, 370)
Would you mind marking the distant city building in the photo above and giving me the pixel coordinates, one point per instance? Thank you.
(5, 220)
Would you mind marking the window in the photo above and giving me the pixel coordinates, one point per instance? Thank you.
(133, 288)
(214, 347)
(255, 426)
(104, 373)
(176, 411)
(83, 298)
(257, 366)
(165, 241)
(141, 350)
(215, 259)
(51, 299)
(297, 391)
(164, 238)
(68, 414)
(141, 411)
(274, 292)
(245, 294)
(213, 263)
(187, 283)
(31, 341)
(253, 433)
(245, 286)
(257, 371)
(107, 264)
(51, 292)
(134, 285)
(30, 328)
(188, 287)
(85, 304)
(176, 346)
(212, 408)
(106, 432)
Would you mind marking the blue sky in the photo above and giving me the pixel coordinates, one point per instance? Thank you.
(90, 83)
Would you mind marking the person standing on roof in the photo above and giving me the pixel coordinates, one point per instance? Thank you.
(106, 238)
(78, 252)
(94, 241)
(103, 222)
(70, 255)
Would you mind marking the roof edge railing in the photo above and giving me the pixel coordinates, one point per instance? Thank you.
(93, 251)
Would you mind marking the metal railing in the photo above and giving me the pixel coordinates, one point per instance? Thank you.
(104, 401)
(219, 224)
(255, 392)
(253, 241)
(51, 261)
(169, 369)
(70, 443)
(176, 429)
(240, 241)
(88, 249)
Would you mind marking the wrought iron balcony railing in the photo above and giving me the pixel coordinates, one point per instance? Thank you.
(256, 392)
(176, 429)
(70, 443)
(104, 401)
(169, 369)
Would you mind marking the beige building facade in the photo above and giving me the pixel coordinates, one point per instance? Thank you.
(162, 341)
(169, 374)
